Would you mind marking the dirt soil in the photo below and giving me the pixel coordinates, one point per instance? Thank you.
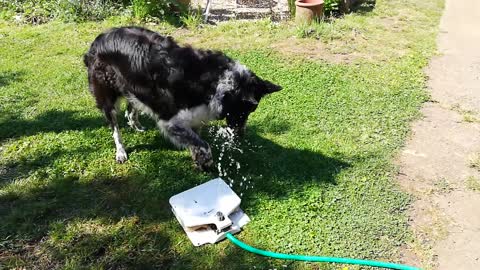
(436, 164)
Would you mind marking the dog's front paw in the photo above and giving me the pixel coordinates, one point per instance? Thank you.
(121, 156)
(202, 157)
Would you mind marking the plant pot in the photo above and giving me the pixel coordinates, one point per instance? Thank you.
(308, 11)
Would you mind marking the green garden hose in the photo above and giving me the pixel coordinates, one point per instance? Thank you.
(317, 258)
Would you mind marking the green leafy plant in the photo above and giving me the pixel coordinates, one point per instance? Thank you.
(142, 8)
(167, 10)
(81, 10)
(331, 7)
(291, 7)
(322, 29)
(192, 19)
(473, 183)
(40, 11)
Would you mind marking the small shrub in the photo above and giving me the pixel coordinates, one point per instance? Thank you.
(30, 11)
(40, 11)
(142, 8)
(473, 183)
(161, 9)
(331, 7)
(322, 29)
(192, 19)
(291, 7)
(80, 10)
(304, 30)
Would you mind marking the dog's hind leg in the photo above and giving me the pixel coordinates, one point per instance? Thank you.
(106, 98)
(103, 81)
(132, 118)
(111, 115)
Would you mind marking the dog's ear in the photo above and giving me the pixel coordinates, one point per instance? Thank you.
(266, 87)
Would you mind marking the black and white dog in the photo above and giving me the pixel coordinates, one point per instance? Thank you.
(181, 88)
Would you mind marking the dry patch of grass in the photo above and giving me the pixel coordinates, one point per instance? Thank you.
(430, 228)
(473, 183)
(474, 161)
(468, 116)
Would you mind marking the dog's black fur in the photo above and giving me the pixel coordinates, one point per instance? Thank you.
(180, 87)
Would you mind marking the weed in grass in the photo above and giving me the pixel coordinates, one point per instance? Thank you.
(304, 30)
(192, 19)
(442, 185)
(474, 161)
(469, 117)
(331, 7)
(291, 7)
(143, 9)
(473, 183)
(323, 29)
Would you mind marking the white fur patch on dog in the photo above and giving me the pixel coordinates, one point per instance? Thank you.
(121, 154)
(191, 118)
(240, 68)
(194, 117)
(142, 107)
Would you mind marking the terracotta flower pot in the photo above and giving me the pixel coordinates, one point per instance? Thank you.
(308, 10)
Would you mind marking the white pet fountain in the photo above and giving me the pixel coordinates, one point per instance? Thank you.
(208, 211)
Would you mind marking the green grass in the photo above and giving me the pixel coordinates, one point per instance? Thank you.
(320, 154)
(385, 31)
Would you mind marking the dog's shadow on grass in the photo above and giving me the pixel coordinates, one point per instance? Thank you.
(50, 121)
(34, 211)
(7, 77)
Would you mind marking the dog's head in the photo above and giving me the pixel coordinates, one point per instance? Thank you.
(246, 91)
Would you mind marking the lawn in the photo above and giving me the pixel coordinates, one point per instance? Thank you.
(319, 154)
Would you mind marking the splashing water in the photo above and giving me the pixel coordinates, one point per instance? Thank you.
(228, 166)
